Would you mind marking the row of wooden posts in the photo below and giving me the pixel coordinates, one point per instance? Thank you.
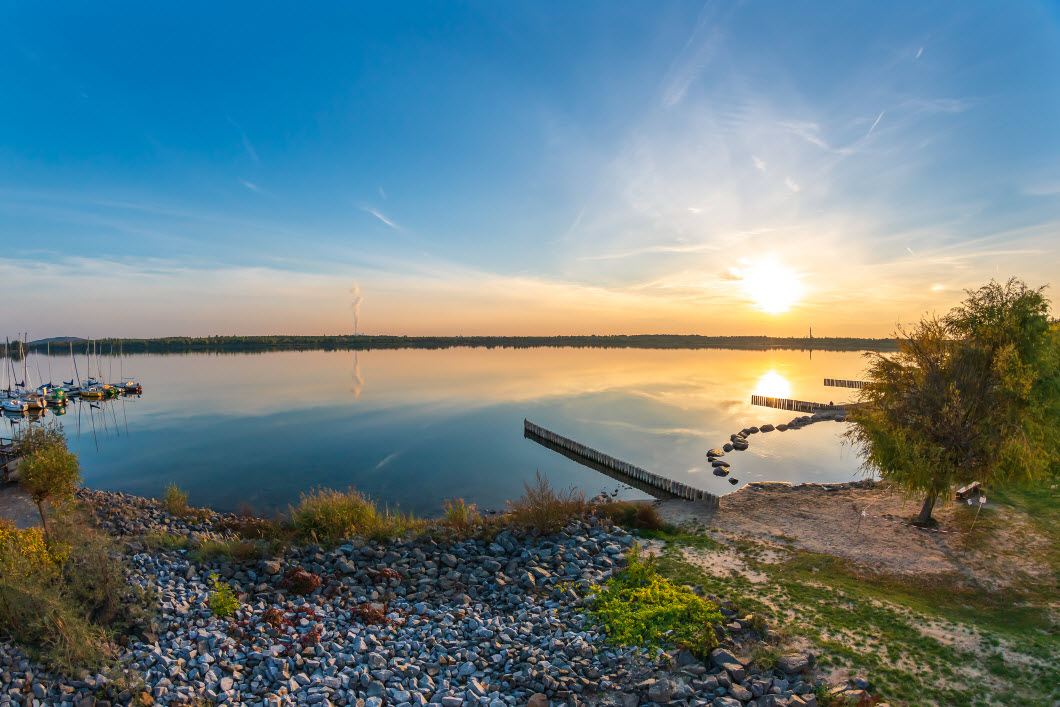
(796, 405)
(840, 383)
(674, 488)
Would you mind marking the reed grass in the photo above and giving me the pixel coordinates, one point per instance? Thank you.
(329, 517)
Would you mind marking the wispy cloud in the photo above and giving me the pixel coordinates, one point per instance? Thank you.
(760, 165)
(919, 52)
(791, 184)
(250, 185)
(877, 122)
(381, 217)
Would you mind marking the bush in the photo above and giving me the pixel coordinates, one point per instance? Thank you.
(176, 501)
(235, 548)
(64, 598)
(545, 510)
(638, 606)
(223, 601)
(328, 516)
(642, 516)
(459, 515)
(49, 472)
(300, 581)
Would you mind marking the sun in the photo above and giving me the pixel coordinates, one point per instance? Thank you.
(772, 287)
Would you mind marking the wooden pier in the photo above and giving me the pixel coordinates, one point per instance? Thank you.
(650, 483)
(840, 383)
(797, 405)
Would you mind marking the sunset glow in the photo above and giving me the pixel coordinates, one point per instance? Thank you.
(773, 385)
(772, 288)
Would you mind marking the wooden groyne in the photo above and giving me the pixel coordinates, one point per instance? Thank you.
(626, 472)
(796, 405)
(840, 383)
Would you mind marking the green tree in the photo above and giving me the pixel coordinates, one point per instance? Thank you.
(49, 472)
(971, 396)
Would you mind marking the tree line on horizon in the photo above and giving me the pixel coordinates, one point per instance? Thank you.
(362, 342)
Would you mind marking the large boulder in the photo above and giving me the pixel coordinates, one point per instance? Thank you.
(793, 663)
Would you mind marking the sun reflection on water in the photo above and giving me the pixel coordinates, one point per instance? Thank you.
(773, 385)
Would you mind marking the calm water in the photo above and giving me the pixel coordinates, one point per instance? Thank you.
(412, 428)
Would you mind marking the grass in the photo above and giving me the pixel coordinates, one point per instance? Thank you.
(329, 517)
(69, 599)
(639, 606)
(890, 627)
(175, 501)
(542, 509)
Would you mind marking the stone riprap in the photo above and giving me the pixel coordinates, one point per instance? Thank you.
(410, 622)
(739, 441)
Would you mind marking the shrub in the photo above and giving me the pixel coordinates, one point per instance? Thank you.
(50, 473)
(765, 657)
(638, 606)
(330, 516)
(223, 601)
(460, 515)
(301, 581)
(176, 501)
(545, 510)
(235, 548)
(629, 514)
(64, 598)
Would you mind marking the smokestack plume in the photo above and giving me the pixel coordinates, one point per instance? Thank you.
(357, 300)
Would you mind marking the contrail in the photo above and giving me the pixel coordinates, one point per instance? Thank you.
(357, 300)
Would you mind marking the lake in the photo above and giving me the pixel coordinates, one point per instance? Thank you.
(413, 427)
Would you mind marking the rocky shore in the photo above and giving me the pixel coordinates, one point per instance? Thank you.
(410, 622)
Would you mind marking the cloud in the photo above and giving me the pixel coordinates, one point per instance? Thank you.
(877, 122)
(759, 164)
(919, 52)
(250, 185)
(381, 217)
(790, 184)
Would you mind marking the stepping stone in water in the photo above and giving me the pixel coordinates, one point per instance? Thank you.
(720, 471)
(715, 453)
(719, 462)
(767, 428)
(727, 447)
(734, 481)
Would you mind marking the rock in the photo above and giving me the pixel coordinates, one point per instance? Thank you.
(727, 447)
(719, 462)
(538, 699)
(720, 471)
(741, 693)
(767, 428)
(734, 481)
(715, 453)
(726, 702)
(661, 692)
(793, 663)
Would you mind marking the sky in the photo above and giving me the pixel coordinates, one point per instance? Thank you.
(521, 167)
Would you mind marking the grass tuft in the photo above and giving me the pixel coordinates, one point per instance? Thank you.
(175, 502)
(545, 510)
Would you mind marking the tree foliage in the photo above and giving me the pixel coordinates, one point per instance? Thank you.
(49, 472)
(970, 396)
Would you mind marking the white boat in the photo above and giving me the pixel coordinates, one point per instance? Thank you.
(14, 405)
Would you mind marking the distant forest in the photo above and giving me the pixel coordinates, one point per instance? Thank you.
(239, 344)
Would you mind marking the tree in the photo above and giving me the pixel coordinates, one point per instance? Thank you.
(971, 396)
(49, 472)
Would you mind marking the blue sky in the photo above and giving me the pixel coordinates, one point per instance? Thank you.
(518, 168)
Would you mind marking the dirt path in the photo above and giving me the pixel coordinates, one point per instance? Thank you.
(826, 519)
(16, 506)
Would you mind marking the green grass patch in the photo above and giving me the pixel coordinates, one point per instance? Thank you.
(639, 606)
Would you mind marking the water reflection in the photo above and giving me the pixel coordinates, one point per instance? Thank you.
(774, 385)
(445, 423)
